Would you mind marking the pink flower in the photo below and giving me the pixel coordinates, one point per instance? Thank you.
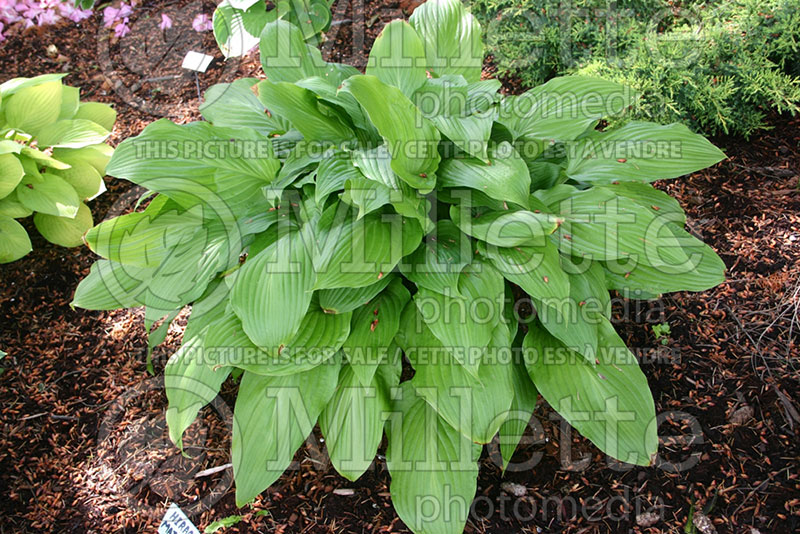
(46, 17)
(2, 37)
(122, 29)
(202, 23)
(166, 22)
(110, 16)
(125, 11)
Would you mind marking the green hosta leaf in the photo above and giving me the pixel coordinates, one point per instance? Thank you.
(33, 107)
(461, 112)
(452, 38)
(563, 108)
(11, 173)
(273, 290)
(189, 381)
(70, 102)
(72, 133)
(438, 262)
(357, 253)
(109, 286)
(366, 195)
(397, 58)
(602, 226)
(536, 269)
(703, 270)
(198, 163)
(272, 418)
(346, 299)
(97, 156)
(411, 139)
(237, 29)
(474, 405)
(352, 422)
(434, 468)
(84, 179)
(14, 240)
(373, 328)
(102, 114)
(465, 321)
(236, 105)
(640, 151)
(333, 173)
(651, 198)
(609, 402)
(10, 206)
(42, 159)
(285, 57)
(507, 228)
(64, 231)
(53, 195)
(302, 109)
(523, 403)
(505, 178)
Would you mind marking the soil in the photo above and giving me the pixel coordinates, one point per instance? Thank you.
(83, 445)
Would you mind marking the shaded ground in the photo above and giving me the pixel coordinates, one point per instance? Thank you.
(83, 446)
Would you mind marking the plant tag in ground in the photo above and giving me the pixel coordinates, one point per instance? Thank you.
(196, 61)
(175, 522)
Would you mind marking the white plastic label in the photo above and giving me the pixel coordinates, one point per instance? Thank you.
(196, 61)
(176, 522)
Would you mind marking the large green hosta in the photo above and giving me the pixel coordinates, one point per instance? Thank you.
(390, 218)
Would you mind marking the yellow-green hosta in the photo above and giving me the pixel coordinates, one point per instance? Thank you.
(328, 227)
(52, 161)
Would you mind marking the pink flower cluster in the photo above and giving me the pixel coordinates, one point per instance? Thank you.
(38, 13)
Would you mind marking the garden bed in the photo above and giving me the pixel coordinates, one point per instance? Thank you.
(84, 446)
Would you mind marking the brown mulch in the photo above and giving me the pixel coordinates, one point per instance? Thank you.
(83, 443)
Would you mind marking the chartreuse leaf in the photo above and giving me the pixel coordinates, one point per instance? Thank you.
(523, 403)
(397, 57)
(34, 106)
(198, 163)
(476, 406)
(452, 38)
(190, 381)
(304, 111)
(84, 179)
(64, 231)
(14, 240)
(353, 420)
(346, 299)
(609, 402)
(438, 262)
(374, 326)
(51, 195)
(70, 101)
(10, 206)
(434, 468)
(236, 105)
(97, 156)
(505, 177)
(563, 108)
(464, 322)
(98, 113)
(640, 151)
(273, 290)
(72, 133)
(272, 418)
(11, 173)
(410, 137)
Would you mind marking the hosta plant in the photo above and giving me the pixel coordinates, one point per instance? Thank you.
(52, 161)
(354, 246)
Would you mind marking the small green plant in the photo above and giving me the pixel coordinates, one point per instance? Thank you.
(52, 161)
(662, 333)
(331, 228)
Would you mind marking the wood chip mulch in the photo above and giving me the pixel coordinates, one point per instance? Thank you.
(83, 444)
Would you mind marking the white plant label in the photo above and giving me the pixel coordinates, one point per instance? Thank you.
(196, 61)
(176, 522)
